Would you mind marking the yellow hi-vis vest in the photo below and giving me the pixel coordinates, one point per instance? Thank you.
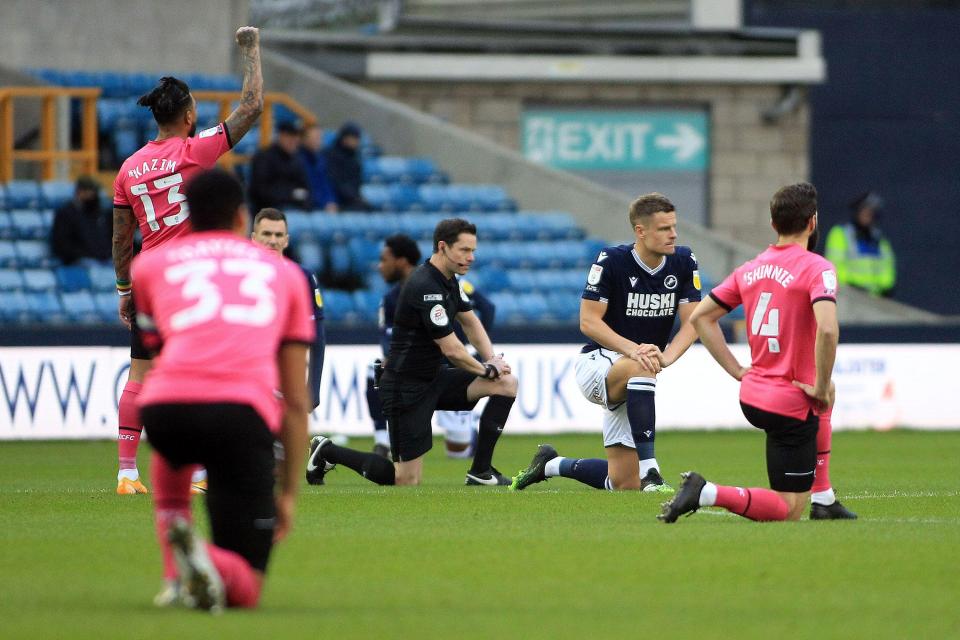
(874, 272)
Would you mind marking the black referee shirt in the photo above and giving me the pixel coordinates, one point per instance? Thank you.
(426, 310)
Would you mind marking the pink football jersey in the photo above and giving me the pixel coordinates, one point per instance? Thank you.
(220, 307)
(151, 182)
(777, 290)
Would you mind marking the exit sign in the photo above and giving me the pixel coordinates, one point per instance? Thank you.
(615, 140)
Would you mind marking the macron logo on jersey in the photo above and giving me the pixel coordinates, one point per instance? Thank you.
(651, 305)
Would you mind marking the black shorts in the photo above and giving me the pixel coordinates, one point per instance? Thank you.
(791, 448)
(137, 348)
(236, 447)
(408, 405)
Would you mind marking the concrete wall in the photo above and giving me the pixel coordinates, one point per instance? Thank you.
(471, 157)
(121, 35)
(749, 159)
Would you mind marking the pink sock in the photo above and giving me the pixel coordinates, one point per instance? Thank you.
(821, 481)
(171, 499)
(754, 503)
(128, 437)
(240, 581)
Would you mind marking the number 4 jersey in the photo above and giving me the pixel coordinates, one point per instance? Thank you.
(151, 181)
(221, 307)
(778, 289)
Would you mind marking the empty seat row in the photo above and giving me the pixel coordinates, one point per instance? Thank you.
(63, 278)
(438, 197)
(391, 169)
(27, 194)
(116, 84)
(49, 307)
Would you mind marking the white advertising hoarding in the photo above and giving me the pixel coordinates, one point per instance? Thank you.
(72, 392)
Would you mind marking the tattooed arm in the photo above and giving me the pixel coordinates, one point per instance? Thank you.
(123, 227)
(251, 96)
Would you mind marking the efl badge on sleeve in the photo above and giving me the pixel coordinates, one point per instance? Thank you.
(696, 280)
(830, 281)
(438, 315)
(595, 272)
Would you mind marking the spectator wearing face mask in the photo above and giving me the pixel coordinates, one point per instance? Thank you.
(278, 178)
(345, 169)
(82, 229)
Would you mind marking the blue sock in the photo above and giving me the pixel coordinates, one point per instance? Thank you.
(642, 414)
(589, 471)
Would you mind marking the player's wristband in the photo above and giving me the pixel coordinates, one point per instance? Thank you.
(123, 293)
(491, 373)
(124, 287)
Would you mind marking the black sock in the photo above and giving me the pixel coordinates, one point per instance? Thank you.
(492, 419)
(371, 466)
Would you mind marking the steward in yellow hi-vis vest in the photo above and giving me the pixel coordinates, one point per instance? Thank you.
(859, 250)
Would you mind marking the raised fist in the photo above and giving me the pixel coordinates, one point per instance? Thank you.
(248, 37)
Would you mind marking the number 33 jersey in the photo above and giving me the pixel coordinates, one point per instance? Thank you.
(151, 182)
(778, 289)
(219, 307)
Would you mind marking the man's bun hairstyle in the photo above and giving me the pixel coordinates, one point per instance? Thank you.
(168, 100)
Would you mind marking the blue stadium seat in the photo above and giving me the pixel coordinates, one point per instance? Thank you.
(392, 197)
(338, 306)
(390, 169)
(8, 254)
(45, 307)
(367, 304)
(7, 230)
(522, 280)
(208, 114)
(81, 307)
(73, 278)
(508, 308)
(299, 225)
(15, 307)
(28, 224)
(248, 144)
(491, 280)
(102, 278)
(564, 306)
(311, 256)
(364, 254)
(22, 194)
(39, 280)
(56, 193)
(127, 136)
(106, 303)
(340, 259)
(3, 197)
(33, 253)
(11, 280)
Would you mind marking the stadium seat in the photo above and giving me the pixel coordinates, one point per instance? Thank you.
(22, 194)
(11, 280)
(45, 307)
(73, 278)
(15, 307)
(248, 144)
(338, 306)
(311, 256)
(106, 303)
(7, 230)
(299, 225)
(81, 307)
(364, 254)
(56, 193)
(102, 278)
(33, 253)
(340, 259)
(521, 280)
(29, 224)
(39, 280)
(8, 254)
(367, 305)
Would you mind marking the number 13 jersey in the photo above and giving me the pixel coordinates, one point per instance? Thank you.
(221, 307)
(152, 180)
(778, 289)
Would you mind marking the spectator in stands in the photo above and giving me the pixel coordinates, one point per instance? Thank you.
(345, 169)
(862, 254)
(278, 178)
(82, 229)
(315, 164)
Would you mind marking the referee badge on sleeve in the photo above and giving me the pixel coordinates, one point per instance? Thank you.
(438, 315)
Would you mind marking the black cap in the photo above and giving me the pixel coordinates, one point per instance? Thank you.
(868, 200)
(87, 183)
(288, 126)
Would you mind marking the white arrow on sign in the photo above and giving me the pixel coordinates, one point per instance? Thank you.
(687, 142)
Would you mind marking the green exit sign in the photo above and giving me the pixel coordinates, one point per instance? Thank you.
(595, 140)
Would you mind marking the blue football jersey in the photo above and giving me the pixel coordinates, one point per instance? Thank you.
(642, 302)
(388, 306)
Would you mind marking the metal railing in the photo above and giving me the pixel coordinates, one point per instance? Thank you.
(48, 154)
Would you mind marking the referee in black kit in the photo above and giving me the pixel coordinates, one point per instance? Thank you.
(415, 382)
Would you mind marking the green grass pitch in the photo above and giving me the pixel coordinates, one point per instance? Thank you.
(556, 561)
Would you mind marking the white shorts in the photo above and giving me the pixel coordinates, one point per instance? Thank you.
(457, 425)
(591, 373)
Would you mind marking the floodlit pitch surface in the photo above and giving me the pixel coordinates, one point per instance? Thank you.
(558, 560)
